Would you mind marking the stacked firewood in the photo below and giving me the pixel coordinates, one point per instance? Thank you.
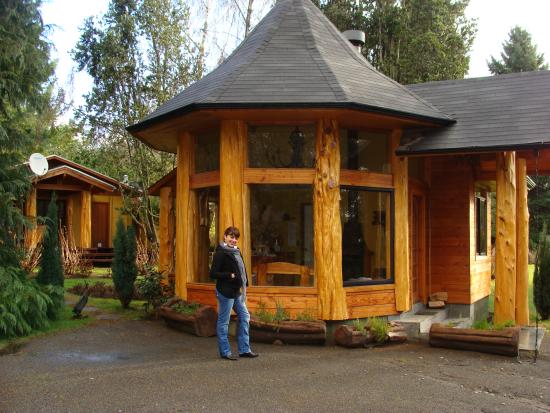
(438, 300)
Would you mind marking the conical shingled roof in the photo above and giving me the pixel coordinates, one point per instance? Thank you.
(295, 57)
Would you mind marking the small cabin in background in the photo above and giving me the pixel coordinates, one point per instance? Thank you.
(88, 205)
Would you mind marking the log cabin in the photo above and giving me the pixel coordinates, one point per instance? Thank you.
(356, 196)
(89, 204)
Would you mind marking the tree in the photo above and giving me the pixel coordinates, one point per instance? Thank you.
(124, 266)
(51, 267)
(25, 70)
(410, 41)
(139, 54)
(519, 55)
(541, 278)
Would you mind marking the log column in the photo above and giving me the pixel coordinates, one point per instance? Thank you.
(31, 234)
(70, 217)
(85, 219)
(166, 232)
(522, 246)
(327, 226)
(234, 196)
(184, 165)
(400, 171)
(505, 272)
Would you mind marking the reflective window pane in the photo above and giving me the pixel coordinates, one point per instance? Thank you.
(365, 151)
(207, 203)
(366, 235)
(281, 227)
(207, 151)
(281, 146)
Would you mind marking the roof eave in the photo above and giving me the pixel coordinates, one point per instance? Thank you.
(403, 151)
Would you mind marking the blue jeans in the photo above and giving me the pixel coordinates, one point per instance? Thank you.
(224, 311)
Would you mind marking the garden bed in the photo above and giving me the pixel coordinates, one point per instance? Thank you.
(288, 332)
(192, 318)
(502, 341)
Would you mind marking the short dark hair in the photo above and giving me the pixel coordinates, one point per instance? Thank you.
(232, 231)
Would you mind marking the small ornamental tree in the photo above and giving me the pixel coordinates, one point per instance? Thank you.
(124, 266)
(541, 279)
(51, 267)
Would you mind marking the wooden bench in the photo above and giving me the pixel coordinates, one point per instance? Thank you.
(284, 268)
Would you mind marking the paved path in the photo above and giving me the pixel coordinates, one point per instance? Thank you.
(142, 366)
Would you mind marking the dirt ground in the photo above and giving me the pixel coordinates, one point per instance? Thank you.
(142, 366)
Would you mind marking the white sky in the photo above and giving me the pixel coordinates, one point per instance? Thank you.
(495, 19)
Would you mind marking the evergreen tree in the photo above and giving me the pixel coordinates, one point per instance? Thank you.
(541, 278)
(124, 266)
(519, 55)
(51, 267)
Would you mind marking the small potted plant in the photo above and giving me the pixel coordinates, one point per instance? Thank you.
(267, 327)
(193, 318)
(368, 333)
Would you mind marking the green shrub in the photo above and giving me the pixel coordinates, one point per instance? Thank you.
(185, 307)
(51, 267)
(280, 313)
(124, 263)
(486, 325)
(541, 278)
(308, 314)
(379, 329)
(360, 325)
(149, 287)
(263, 314)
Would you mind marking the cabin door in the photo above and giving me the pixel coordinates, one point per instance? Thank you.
(417, 247)
(100, 224)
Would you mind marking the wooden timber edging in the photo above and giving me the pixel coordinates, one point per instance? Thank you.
(288, 332)
(202, 323)
(504, 342)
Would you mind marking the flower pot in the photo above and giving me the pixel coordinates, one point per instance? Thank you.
(288, 332)
(202, 323)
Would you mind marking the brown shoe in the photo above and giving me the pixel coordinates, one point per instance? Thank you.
(230, 357)
(250, 354)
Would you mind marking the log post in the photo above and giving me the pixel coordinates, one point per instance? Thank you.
(234, 197)
(166, 232)
(70, 217)
(400, 171)
(522, 246)
(184, 160)
(327, 226)
(85, 219)
(505, 271)
(31, 234)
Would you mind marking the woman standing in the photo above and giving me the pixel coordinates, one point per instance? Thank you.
(231, 281)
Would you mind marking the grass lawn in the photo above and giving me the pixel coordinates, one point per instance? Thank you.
(66, 322)
(545, 323)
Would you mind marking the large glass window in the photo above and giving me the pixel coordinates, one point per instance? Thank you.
(207, 152)
(481, 223)
(281, 146)
(365, 151)
(281, 228)
(208, 201)
(367, 235)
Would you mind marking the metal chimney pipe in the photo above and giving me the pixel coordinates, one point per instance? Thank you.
(356, 38)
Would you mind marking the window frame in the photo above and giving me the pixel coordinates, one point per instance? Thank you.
(479, 198)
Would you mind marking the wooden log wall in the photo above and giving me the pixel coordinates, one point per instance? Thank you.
(85, 219)
(31, 234)
(505, 272)
(166, 231)
(400, 170)
(234, 196)
(184, 160)
(370, 301)
(450, 202)
(522, 249)
(327, 225)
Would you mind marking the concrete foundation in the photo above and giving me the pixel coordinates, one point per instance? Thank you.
(475, 312)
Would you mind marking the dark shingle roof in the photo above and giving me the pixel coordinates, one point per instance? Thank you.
(295, 57)
(493, 113)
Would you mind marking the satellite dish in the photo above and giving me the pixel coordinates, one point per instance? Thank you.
(38, 164)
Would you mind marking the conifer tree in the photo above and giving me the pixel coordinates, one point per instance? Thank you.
(51, 267)
(124, 266)
(541, 279)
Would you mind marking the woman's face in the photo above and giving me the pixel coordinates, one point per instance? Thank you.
(230, 240)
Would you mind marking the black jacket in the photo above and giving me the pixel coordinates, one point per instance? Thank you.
(223, 264)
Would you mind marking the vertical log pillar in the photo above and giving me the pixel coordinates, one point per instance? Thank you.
(31, 234)
(184, 165)
(505, 272)
(85, 219)
(166, 232)
(234, 197)
(522, 246)
(327, 226)
(400, 171)
(70, 217)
